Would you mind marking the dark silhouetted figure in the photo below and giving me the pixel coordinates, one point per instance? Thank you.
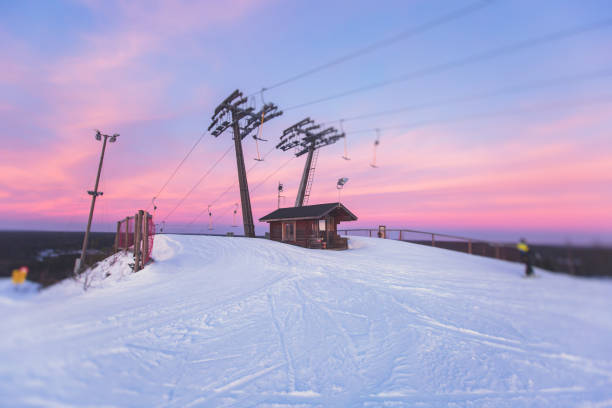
(525, 252)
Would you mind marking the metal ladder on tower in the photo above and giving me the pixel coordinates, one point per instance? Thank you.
(315, 156)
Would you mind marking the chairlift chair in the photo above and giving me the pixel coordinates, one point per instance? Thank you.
(345, 156)
(257, 136)
(376, 143)
(235, 212)
(210, 226)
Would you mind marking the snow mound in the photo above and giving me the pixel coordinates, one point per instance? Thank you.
(218, 321)
(10, 294)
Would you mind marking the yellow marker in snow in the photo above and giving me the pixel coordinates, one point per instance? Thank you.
(19, 275)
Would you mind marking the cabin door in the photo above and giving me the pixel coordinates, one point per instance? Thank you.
(288, 231)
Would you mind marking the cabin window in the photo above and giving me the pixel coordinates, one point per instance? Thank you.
(289, 231)
(321, 225)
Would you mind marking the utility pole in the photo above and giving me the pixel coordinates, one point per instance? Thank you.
(94, 194)
(232, 113)
(307, 139)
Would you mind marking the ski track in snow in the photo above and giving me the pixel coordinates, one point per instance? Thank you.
(226, 322)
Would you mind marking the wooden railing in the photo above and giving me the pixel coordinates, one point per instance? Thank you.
(447, 241)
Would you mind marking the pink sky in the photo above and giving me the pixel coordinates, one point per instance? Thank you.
(546, 174)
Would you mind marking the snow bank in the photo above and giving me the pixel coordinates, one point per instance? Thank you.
(218, 321)
(11, 294)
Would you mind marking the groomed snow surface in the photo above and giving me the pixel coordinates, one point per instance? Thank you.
(218, 321)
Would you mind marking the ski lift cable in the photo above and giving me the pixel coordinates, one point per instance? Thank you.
(199, 182)
(574, 78)
(599, 100)
(273, 173)
(222, 214)
(470, 59)
(178, 167)
(230, 187)
(410, 32)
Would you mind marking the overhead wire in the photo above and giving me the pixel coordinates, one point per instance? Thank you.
(230, 187)
(163, 187)
(477, 57)
(412, 31)
(602, 73)
(198, 183)
(284, 164)
(602, 99)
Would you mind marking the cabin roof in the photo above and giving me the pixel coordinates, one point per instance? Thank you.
(309, 212)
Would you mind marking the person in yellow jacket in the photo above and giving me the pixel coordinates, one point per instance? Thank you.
(525, 252)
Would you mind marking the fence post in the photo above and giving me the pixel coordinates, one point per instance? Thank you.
(497, 251)
(370, 232)
(400, 235)
(433, 240)
(127, 233)
(116, 248)
(145, 241)
(137, 234)
(469, 246)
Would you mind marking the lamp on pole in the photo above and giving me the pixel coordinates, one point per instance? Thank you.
(340, 185)
(94, 194)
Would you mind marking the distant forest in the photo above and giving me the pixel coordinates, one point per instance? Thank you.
(50, 255)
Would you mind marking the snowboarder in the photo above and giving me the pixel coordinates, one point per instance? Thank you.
(525, 252)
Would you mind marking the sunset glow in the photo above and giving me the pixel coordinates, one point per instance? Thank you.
(540, 166)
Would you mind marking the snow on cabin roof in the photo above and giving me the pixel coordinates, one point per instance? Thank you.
(309, 212)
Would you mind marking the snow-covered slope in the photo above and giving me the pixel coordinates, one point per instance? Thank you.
(242, 322)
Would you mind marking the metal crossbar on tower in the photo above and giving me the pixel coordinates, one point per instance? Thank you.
(243, 120)
(306, 137)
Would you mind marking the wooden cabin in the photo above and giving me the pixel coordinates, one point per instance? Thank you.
(310, 226)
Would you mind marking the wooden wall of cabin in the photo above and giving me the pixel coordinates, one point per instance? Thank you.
(276, 231)
(304, 231)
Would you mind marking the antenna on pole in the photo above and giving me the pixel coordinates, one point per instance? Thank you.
(376, 143)
(340, 185)
(306, 137)
(232, 113)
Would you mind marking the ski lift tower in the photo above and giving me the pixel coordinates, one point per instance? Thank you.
(306, 137)
(233, 113)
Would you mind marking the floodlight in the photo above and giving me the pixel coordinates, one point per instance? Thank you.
(341, 182)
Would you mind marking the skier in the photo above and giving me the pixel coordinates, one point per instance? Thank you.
(525, 252)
